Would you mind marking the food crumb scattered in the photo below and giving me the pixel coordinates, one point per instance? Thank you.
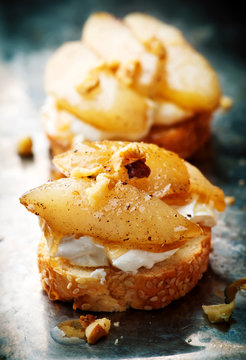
(116, 342)
(220, 312)
(226, 103)
(241, 182)
(117, 324)
(97, 329)
(24, 146)
(230, 200)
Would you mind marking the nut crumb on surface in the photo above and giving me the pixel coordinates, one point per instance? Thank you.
(117, 324)
(97, 329)
(241, 182)
(86, 320)
(220, 312)
(24, 146)
(230, 200)
(226, 103)
(116, 342)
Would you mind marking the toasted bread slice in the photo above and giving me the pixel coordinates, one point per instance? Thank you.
(147, 289)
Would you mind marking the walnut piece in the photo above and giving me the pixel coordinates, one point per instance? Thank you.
(86, 320)
(24, 146)
(97, 329)
(138, 169)
(220, 312)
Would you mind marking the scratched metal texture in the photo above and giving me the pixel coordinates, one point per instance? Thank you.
(29, 32)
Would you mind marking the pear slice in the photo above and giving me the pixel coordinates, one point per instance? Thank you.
(190, 80)
(114, 41)
(125, 214)
(168, 173)
(86, 88)
(206, 191)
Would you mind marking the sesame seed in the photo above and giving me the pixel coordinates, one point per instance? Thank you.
(154, 298)
(128, 283)
(75, 291)
(69, 285)
(172, 281)
(141, 294)
(85, 306)
(171, 291)
(148, 284)
(82, 286)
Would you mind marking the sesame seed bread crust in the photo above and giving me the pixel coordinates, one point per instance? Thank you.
(147, 289)
(184, 138)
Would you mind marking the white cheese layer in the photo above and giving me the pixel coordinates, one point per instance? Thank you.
(198, 212)
(83, 251)
(132, 260)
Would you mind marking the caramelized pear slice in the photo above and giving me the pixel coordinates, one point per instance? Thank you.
(206, 191)
(168, 173)
(190, 80)
(114, 41)
(124, 214)
(86, 88)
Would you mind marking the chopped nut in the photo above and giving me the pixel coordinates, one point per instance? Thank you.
(97, 329)
(219, 313)
(86, 320)
(87, 86)
(24, 146)
(97, 191)
(155, 46)
(230, 200)
(226, 103)
(114, 65)
(241, 182)
(138, 169)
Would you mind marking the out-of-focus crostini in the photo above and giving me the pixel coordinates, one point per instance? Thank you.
(131, 79)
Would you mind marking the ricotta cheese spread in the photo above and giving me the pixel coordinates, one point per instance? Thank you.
(198, 212)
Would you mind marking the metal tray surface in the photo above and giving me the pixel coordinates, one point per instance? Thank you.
(29, 33)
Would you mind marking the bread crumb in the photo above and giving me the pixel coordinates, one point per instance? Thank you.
(230, 200)
(24, 146)
(117, 324)
(226, 103)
